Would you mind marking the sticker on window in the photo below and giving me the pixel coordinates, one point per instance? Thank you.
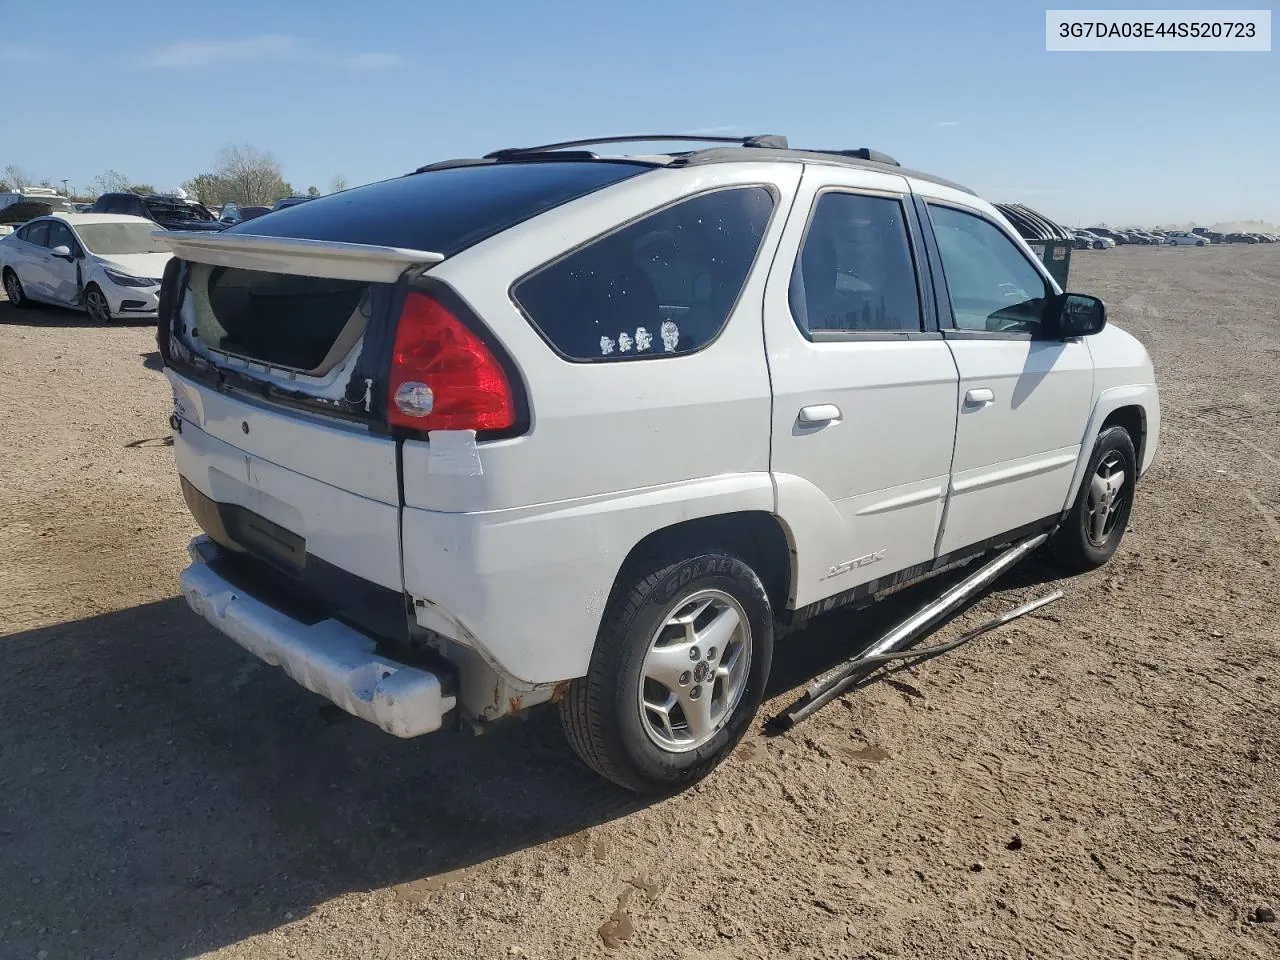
(620, 296)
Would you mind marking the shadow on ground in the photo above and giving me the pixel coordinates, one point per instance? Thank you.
(165, 794)
(43, 315)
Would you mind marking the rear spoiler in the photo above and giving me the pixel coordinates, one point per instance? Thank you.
(312, 258)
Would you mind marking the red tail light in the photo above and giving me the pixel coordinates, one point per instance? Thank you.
(443, 376)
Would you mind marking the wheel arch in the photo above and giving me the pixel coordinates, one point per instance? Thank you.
(757, 537)
(1135, 407)
(1133, 417)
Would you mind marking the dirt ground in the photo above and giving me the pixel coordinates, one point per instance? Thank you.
(1101, 780)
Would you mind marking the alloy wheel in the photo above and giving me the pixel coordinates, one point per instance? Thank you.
(12, 288)
(695, 671)
(1108, 491)
(95, 304)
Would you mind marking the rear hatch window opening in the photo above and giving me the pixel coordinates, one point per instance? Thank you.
(282, 323)
(305, 334)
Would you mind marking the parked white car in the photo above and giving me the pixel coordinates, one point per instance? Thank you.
(1182, 238)
(559, 427)
(105, 264)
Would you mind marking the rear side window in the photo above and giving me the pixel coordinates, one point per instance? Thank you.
(855, 273)
(37, 233)
(664, 284)
(443, 211)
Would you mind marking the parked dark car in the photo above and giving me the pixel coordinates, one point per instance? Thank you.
(1240, 238)
(289, 202)
(172, 213)
(1213, 236)
(1115, 235)
(26, 210)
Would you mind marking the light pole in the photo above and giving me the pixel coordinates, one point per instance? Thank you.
(66, 192)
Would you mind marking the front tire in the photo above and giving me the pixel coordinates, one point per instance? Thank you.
(96, 305)
(678, 672)
(13, 290)
(1095, 525)
(1199, 243)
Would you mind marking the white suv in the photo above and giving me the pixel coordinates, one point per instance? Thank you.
(553, 426)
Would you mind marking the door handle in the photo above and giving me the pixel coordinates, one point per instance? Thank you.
(819, 413)
(979, 397)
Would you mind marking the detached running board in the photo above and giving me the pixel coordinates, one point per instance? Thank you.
(840, 678)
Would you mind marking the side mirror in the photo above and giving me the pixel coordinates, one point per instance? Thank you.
(63, 252)
(1076, 315)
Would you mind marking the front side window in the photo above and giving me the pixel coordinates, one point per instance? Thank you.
(60, 236)
(662, 285)
(992, 285)
(855, 272)
(37, 233)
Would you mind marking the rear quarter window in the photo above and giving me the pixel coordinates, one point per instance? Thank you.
(443, 211)
(663, 285)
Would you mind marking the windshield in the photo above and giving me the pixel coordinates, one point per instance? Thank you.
(119, 238)
(177, 210)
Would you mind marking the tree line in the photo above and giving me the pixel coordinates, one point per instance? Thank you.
(241, 174)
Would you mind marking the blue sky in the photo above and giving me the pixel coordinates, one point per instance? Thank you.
(153, 88)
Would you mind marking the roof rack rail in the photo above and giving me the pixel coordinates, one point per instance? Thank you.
(766, 140)
(864, 153)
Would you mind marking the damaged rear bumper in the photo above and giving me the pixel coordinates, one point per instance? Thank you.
(327, 657)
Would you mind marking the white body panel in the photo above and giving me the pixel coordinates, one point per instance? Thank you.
(1015, 453)
(314, 258)
(883, 497)
(351, 518)
(527, 587)
(611, 427)
(513, 550)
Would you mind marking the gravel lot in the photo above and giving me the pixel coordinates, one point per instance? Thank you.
(1100, 780)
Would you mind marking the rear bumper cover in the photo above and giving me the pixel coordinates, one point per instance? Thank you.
(327, 657)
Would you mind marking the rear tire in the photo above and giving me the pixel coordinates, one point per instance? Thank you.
(1095, 525)
(13, 290)
(678, 672)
